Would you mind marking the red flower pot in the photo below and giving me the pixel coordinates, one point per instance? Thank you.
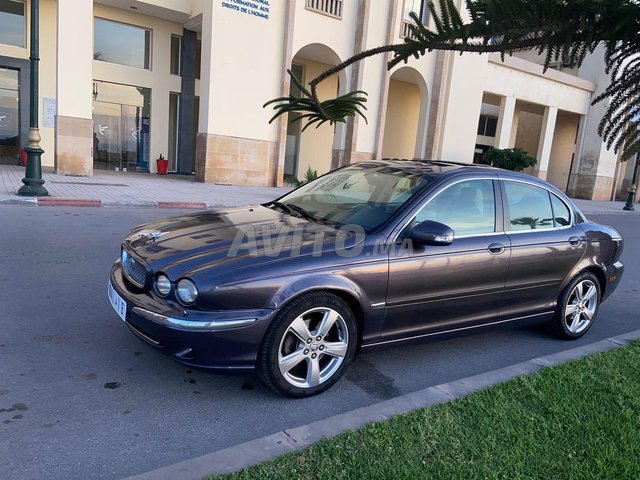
(163, 165)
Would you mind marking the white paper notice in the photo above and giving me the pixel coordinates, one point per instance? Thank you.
(49, 112)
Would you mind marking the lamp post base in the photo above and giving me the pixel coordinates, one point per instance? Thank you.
(33, 181)
(631, 196)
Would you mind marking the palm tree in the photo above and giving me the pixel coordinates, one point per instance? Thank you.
(567, 29)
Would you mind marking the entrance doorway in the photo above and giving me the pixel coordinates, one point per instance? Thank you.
(9, 116)
(121, 127)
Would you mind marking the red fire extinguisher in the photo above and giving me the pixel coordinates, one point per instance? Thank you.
(23, 157)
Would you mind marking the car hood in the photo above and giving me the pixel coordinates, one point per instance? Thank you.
(234, 238)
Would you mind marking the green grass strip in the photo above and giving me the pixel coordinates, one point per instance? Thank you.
(580, 420)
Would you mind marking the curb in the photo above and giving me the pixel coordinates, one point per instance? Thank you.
(91, 202)
(256, 451)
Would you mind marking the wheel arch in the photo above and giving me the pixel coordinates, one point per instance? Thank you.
(599, 273)
(343, 294)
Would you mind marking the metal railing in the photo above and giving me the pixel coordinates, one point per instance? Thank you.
(332, 8)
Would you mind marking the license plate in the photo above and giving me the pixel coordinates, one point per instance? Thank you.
(117, 302)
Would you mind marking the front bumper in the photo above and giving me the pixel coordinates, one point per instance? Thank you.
(223, 341)
(613, 275)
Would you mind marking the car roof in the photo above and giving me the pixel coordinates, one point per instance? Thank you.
(444, 168)
(430, 168)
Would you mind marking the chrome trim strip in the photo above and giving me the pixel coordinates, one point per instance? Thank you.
(453, 330)
(379, 305)
(190, 325)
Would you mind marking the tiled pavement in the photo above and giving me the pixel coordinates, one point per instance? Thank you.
(135, 189)
(150, 190)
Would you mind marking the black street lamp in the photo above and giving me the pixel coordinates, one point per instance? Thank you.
(33, 181)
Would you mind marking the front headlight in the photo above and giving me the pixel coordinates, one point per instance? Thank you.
(163, 285)
(187, 291)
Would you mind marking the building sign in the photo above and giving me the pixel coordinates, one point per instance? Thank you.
(254, 8)
(49, 112)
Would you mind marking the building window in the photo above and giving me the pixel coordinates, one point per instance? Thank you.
(12, 23)
(176, 47)
(332, 8)
(174, 106)
(487, 126)
(120, 43)
(420, 8)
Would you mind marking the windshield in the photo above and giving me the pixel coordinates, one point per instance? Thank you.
(364, 194)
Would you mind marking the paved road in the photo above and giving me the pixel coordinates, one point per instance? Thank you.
(82, 398)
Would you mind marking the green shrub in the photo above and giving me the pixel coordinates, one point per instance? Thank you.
(310, 175)
(514, 159)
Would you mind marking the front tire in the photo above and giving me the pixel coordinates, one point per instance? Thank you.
(308, 346)
(577, 307)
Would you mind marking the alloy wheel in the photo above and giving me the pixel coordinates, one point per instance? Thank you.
(313, 347)
(581, 306)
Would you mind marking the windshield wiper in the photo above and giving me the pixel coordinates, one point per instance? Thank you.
(297, 211)
(282, 206)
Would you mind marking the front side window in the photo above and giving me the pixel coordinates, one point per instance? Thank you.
(529, 207)
(120, 43)
(467, 207)
(12, 23)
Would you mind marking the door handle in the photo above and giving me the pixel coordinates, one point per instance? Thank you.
(496, 248)
(575, 241)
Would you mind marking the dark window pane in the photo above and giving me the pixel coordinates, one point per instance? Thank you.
(198, 59)
(12, 23)
(561, 213)
(175, 54)
(492, 124)
(529, 206)
(173, 131)
(467, 207)
(123, 44)
(481, 124)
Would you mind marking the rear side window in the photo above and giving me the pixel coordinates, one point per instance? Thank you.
(467, 207)
(561, 213)
(529, 207)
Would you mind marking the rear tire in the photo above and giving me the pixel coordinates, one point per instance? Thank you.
(308, 346)
(577, 307)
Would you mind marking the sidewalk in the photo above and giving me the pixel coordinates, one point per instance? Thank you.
(112, 189)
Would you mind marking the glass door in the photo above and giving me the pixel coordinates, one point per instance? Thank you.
(121, 127)
(9, 116)
(107, 145)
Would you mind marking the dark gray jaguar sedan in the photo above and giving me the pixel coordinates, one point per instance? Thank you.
(371, 254)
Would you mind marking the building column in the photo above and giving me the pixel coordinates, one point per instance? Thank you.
(546, 141)
(505, 122)
(283, 121)
(357, 74)
(393, 24)
(186, 121)
(74, 79)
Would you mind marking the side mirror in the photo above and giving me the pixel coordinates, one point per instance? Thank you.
(432, 233)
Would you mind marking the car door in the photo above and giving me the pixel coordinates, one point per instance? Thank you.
(436, 288)
(545, 245)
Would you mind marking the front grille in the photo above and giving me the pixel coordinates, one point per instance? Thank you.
(133, 270)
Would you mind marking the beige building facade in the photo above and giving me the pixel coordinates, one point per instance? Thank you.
(125, 81)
